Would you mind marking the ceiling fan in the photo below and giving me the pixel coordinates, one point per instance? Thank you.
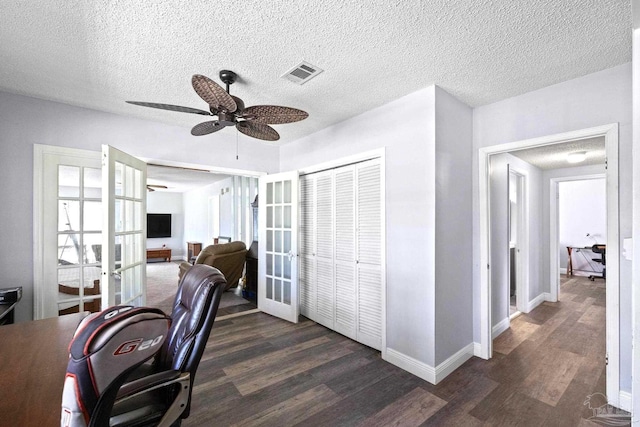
(252, 121)
(152, 187)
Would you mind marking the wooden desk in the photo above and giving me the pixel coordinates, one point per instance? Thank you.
(159, 253)
(34, 358)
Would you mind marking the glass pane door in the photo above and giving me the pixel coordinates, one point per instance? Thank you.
(277, 246)
(124, 241)
(78, 237)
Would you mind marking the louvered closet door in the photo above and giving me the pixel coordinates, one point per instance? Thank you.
(307, 275)
(369, 254)
(325, 291)
(341, 255)
(345, 251)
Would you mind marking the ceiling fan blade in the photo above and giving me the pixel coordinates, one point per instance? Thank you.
(258, 130)
(274, 114)
(157, 186)
(170, 107)
(206, 128)
(212, 93)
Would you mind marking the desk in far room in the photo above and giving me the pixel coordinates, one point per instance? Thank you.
(34, 359)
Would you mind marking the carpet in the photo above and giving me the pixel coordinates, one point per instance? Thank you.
(162, 284)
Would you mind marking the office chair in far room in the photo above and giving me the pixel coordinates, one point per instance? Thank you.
(108, 382)
(602, 250)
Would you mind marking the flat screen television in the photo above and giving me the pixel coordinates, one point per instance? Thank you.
(158, 225)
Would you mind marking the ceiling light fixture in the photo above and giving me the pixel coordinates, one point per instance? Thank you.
(577, 157)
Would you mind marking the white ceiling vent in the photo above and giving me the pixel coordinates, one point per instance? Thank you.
(302, 73)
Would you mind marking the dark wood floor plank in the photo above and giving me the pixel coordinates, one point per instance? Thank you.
(293, 410)
(260, 370)
(412, 409)
(548, 383)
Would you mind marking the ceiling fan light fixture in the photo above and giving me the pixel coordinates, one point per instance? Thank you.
(577, 157)
(230, 110)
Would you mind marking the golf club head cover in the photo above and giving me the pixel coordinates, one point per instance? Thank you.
(105, 348)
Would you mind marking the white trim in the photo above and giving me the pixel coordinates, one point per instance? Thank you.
(383, 254)
(635, 232)
(624, 401)
(610, 133)
(502, 326)
(531, 304)
(344, 161)
(477, 349)
(428, 372)
(409, 364)
(203, 168)
(453, 362)
(522, 246)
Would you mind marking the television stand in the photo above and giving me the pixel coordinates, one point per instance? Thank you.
(164, 253)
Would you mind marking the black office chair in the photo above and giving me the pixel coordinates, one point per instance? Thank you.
(108, 382)
(602, 250)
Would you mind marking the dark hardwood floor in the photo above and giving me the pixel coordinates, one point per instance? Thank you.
(259, 370)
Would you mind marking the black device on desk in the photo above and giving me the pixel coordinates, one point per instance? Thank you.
(602, 250)
(9, 297)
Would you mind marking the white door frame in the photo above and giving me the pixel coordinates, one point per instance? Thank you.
(522, 244)
(554, 229)
(610, 133)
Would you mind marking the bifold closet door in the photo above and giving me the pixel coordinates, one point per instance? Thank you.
(307, 276)
(341, 250)
(325, 290)
(369, 254)
(345, 251)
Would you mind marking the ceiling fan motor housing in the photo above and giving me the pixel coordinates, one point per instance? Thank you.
(226, 119)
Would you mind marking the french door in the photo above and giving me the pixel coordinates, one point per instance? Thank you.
(124, 179)
(278, 246)
(74, 252)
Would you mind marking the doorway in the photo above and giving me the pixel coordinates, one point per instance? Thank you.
(610, 135)
(518, 232)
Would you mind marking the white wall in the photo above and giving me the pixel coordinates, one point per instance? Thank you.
(409, 203)
(636, 210)
(171, 203)
(454, 225)
(197, 204)
(593, 100)
(26, 121)
(582, 210)
(428, 216)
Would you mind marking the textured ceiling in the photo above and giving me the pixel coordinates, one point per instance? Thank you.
(554, 156)
(99, 54)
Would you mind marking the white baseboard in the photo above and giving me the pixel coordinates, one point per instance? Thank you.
(409, 364)
(563, 270)
(428, 372)
(454, 362)
(625, 400)
(502, 326)
(537, 301)
(477, 349)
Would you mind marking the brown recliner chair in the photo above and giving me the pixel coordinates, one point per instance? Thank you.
(229, 258)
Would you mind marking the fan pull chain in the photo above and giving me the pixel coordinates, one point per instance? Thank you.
(236, 143)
